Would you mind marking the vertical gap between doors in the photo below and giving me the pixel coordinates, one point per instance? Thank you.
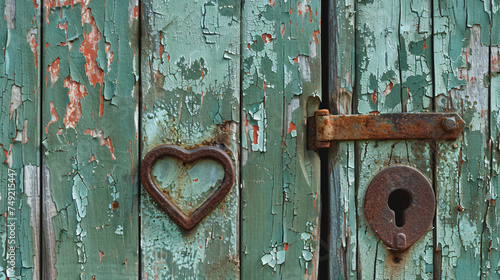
(139, 133)
(40, 150)
(324, 253)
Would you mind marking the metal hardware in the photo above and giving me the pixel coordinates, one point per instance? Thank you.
(188, 156)
(323, 127)
(399, 206)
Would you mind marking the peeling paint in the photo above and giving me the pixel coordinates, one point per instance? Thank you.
(76, 92)
(90, 136)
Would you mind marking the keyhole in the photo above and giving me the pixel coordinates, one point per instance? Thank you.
(399, 201)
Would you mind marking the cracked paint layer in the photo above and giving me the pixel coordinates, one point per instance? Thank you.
(191, 91)
(280, 177)
(19, 139)
(90, 140)
(425, 56)
(466, 241)
(393, 74)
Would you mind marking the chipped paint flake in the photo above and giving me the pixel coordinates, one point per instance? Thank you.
(53, 70)
(31, 37)
(53, 116)
(89, 47)
(104, 141)
(15, 99)
(76, 92)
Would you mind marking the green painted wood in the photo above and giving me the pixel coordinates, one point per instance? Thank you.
(281, 80)
(490, 262)
(20, 139)
(90, 140)
(490, 244)
(190, 63)
(463, 168)
(392, 75)
(342, 237)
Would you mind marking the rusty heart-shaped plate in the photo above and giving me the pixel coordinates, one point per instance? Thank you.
(182, 219)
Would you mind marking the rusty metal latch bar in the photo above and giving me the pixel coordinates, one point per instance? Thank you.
(324, 128)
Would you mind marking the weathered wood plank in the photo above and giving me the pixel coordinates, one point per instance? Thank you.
(490, 240)
(462, 31)
(491, 234)
(393, 75)
(190, 83)
(341, 160)
(280, 177)
(20, 139)
(90, 103)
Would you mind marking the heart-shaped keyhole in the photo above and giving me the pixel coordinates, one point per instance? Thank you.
(399, 201)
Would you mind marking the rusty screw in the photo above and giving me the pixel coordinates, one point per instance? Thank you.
(449, 124)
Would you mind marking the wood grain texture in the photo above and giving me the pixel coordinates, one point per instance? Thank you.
(341, 159)
(90, 104)
(281, 83)
(191, 90)
(20, 139)
(392, 75)
(490, 244)
(462, 58)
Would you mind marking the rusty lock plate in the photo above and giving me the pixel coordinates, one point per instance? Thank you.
(182, 219)
(399, 206)
(323, 127)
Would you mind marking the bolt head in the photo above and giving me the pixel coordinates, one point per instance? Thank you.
(449, 124)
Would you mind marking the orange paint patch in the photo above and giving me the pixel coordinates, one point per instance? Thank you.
(308, 9)
(160, 51)
(315, 36)
(31, 38)
(168, 57)
(103, 141)
(282, 30)
(63, 26)
(101, 254)
(296, 60)
(53, 116)
(291, 10)
(46, 45)
(92, 158)
(255, 134)
(131, 154)
(388, 89)
(136, 11)
(272, 2)
(291, 127)
(248, 46)
(53, 70)
(101, 105)
(195, 180)
(425, 44)
(89, 47)
(74, 110)
(285, 247)
(301, 8)
(115, 205)
(495, 61)
(48, 4)
(267, 38)
(374, 96)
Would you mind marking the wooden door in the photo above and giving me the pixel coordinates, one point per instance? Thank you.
(417, 56)
(90, 87)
